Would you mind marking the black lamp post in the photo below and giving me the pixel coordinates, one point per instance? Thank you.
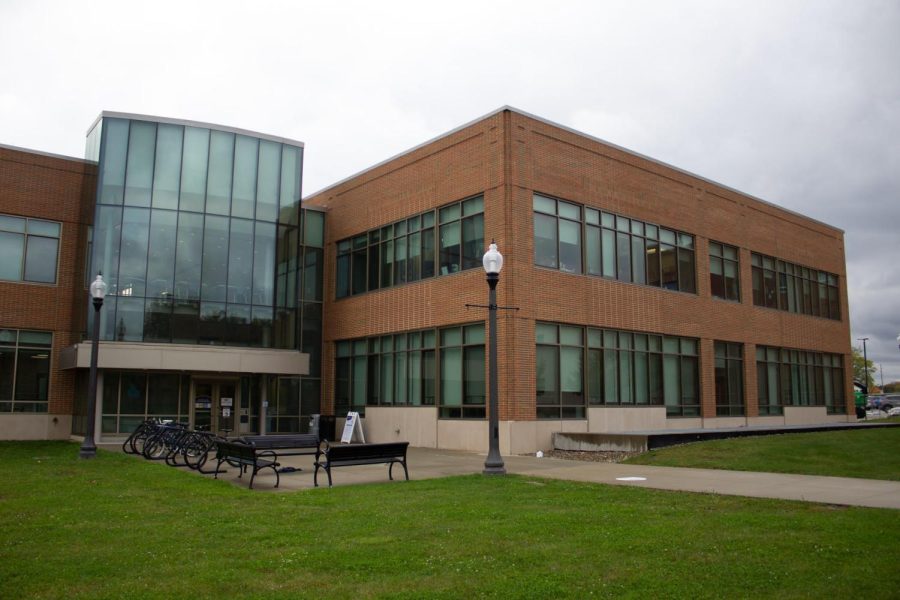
(865, 365)
(88, 448)
(493, 262)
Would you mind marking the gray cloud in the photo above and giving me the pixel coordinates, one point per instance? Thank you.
(795, 102)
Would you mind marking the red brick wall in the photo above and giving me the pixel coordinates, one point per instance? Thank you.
(508, 156)
(62, 190)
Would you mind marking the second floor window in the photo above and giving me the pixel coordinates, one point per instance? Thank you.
(794, 288)
(724, 279)
(440, 242)
(29, 248)
(583, 240)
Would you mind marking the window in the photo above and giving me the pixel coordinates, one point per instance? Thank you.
(443, 368)
(405, 251)
(723, 272)
(557, 234)
(787, 377)
(623, 368)
(462, 372)
(729, 379)
(560, 372)
(614, 246)
(786, 286)
(24, 370)
(343, 377)
(29, 248)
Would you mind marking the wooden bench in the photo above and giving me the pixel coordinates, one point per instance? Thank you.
(244, 456)
(297, 444)
(345, 455)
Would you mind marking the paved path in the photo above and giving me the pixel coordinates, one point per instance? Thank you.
(425, 463)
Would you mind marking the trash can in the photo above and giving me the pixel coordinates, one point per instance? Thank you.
(327, 424)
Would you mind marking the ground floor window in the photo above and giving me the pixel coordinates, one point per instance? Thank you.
(131, 397)
(292, 401)
(577, 366)
(729, 379)
(559, 368)
(443, 368)
(24, 370)
(787, 377)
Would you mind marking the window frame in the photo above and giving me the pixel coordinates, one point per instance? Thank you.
(19, 350)
(26, 234)
(796, 289)
(729, 357)
(420, 237)
(718, 254)
(615, 353)
(618, 236)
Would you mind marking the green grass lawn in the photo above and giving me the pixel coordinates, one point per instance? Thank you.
(119, 526)
(870, 454)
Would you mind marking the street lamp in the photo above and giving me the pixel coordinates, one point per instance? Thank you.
(88, 448)
(493, 262)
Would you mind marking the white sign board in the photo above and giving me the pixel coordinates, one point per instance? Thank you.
(226, 401)
(226, 412)
(352, 429)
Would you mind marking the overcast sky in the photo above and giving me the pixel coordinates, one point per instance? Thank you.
(794, 102)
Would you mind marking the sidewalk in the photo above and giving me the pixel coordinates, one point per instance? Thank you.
(427, 463)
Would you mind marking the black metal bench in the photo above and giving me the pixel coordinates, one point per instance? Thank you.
(244, 456)
(345, 455)
(286, 445)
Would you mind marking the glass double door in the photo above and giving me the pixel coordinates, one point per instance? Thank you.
(215, 406)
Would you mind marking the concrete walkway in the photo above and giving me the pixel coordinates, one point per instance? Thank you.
(425, 463)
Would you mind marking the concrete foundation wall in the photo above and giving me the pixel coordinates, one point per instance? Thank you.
(683, 424)
(616, 420)
(35, 427)
(720, 422)
(527, 437)
(416, 425)
(463, 435)
(812, 415)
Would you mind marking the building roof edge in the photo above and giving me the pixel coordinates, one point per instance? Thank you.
(190, 123)
(507, 107)
(48, 154)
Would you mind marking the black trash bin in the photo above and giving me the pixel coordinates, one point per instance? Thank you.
(326, 428)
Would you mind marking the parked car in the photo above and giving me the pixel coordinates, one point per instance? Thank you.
(883, 402)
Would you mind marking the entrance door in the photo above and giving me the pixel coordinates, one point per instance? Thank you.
(215, 406)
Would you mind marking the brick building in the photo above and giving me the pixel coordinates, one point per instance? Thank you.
(641, 297)
(620, 324)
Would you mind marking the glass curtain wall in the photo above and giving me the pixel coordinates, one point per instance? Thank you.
(197, 233)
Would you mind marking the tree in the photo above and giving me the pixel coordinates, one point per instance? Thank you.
(863, 371)
(892, 387)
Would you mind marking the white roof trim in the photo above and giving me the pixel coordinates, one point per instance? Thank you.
(187, 123)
